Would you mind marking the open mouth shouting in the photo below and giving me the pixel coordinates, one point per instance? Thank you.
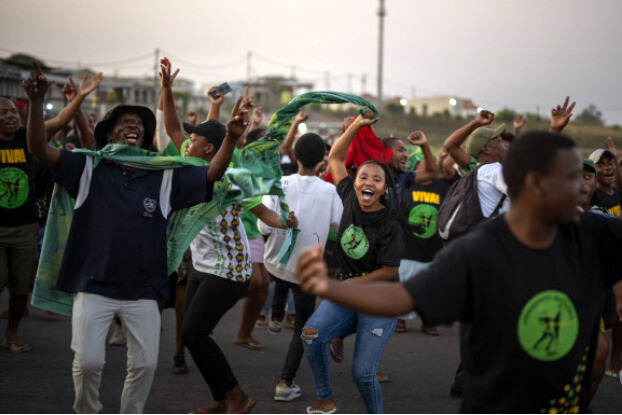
(131, 139)
(367, 195)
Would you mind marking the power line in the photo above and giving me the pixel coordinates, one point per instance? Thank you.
(202, 66)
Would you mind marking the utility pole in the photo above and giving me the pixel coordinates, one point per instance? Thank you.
(381, 13)
(363, 83)
(293, 76)
(248, 66)
(156, 78)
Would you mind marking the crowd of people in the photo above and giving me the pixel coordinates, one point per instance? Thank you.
(513, 235)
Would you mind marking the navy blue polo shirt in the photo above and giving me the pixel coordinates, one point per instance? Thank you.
(117, 242)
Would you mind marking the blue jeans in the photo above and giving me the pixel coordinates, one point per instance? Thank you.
(372, 333)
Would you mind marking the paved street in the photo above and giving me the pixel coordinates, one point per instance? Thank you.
(421, 369)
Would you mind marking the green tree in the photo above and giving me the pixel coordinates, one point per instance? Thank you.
(505, 114)
(591, 115)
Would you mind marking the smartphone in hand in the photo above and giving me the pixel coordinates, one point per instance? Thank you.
(223, 88)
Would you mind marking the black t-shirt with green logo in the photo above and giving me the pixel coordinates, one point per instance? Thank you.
(419, 205)
(366, 240)
(17, 196)
(530, 317)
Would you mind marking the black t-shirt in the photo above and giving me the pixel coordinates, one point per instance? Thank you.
(44, 185)
(530, 317)
(419, 205)
(366, 240)
(17, 195)
(611, 202)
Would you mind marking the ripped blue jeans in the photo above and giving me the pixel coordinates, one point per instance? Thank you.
(372, 333)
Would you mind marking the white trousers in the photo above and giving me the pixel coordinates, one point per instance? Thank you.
(92, 316)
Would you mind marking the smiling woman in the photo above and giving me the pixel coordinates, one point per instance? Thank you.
(369, 249)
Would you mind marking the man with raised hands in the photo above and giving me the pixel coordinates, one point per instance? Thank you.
(115, 258)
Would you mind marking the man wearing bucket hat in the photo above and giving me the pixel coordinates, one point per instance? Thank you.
(115, 257)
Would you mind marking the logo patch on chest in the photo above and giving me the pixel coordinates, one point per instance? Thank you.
(13, 187)
(548, 326)
(354, 242)
(150, 206)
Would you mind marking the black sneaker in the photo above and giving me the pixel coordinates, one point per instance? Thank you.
(180, 368)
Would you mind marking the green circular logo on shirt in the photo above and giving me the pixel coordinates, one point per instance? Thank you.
(354, 242)
(13, 187)
(548, 326)
(422, 219)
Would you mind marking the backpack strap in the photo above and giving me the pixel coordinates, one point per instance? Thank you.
(496, 211)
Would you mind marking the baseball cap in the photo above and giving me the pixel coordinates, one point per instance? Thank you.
(597, 155)
(213, 130)
(478, 138)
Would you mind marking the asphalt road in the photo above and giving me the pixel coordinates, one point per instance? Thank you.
(421, 369)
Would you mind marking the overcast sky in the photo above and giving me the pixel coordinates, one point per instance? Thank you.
(524, 54)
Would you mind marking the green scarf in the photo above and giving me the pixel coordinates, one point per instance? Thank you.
(259, 174)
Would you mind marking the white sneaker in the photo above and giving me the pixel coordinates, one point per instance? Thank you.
(283, 393)
(117, 338)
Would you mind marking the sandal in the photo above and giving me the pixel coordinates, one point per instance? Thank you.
(16, 347)
(430, 330)
(250, 344)
(248, 408)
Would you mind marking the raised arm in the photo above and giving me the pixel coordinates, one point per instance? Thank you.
(36, 86)
(256, 119)
(171, 121)
(235, 128)
(454, 142)
(87, 138)
(337, 155)
(379, 299)
(287, 147)
(429, 171)
(215, 103)
(560, 116)
(518, 124)
(87, 85)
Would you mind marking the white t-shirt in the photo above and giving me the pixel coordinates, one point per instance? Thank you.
(221, 248)
(491, 187)
(317, 207)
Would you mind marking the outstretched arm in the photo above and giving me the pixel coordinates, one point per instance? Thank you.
(270, 217)
(560, 116)
(429, 171)
(337, 155)
(87, 85)
(380, 299)
(454, 141)
(171, 121)
(235, 128)
(36, 86)
(287, 147)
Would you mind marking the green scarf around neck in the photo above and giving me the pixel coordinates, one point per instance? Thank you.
(259, 174)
